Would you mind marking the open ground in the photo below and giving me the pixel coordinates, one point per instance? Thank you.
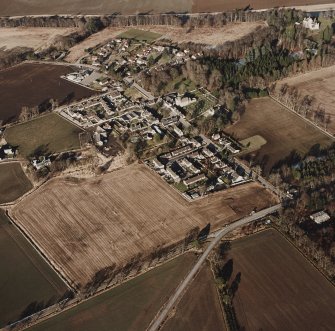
(51, 133)
(283, 131)
(320, 84)
(85, 226)
(200, 308)
(13, 182)
(34, 84)
(25, 278)
(130, 306)
(279, 288)
(36, 38)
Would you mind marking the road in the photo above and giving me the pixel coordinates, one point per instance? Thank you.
(159, 319)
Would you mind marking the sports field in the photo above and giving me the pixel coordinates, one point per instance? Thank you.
(279, 288)
(130, 306)
(282, 130)
(50, 132)
(13, 182)
(25, 279)
(87, 225)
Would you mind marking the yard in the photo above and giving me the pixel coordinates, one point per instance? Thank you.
(49, 133)
(279, 288)
(140, 35)
(13, 182)
(282, 130)
(130, 306)
(27, 282)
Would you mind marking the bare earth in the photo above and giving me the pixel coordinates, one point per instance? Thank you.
(83, 227)
(36, 38)
(321, 85)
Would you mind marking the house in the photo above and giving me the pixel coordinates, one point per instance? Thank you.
(181, 150)
(184, 101)
(320, 217)
(178, 132)
(41, 163)
(195, 179)
(311, 24)
(157, 164)
(173, 175)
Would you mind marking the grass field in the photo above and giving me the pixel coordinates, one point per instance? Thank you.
(24, 278)
(283, 131)
(32, 85)
(130, 306)
(253, 143)
(199, 309)
(279, 288)
(13, 182)
(92, 224)
(50, 131)
(140, 35)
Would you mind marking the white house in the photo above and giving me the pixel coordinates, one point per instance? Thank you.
(184, 101)
(320, 217)
(310, 23)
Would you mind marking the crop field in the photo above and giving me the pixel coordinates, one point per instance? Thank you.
(25, 278)
(87, 225)
(320, 84)
(34, 84)
(283, 131)
(50, 133)
(13, 182)
(140, 35)
(130, 306)
(200, 308)
(279, 288)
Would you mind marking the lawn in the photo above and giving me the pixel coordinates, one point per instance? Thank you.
(13, 182)
(139, 35)
(130, 306)
(25, 278)
(51, 133)
(253, 143)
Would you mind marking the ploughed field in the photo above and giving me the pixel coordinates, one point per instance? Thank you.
(32, 85)
(199, 308)
(279, 289)
(13, 182)
(27, 282)
(130, 306)
(283, 131)
(84, 226)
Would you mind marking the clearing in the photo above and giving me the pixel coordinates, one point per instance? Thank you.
(139, 35)
(27, 282)
(48, 133)
(86, 225)
(279, 288)
(283, 131)
(320, 84)
(36, 38)
(13, 182)
(130, 306)
(37, 84)
(199, 308)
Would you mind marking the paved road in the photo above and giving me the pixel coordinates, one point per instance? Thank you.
(159, 319)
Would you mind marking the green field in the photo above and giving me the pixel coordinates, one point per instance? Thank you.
(25, 278)
(139, 35)
(253, 143)
(51, 133)
(13, 182)
(130, 306)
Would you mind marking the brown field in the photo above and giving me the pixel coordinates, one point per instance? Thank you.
(36, 38)
(320, 84)
(85, 226)
(32, 84)
(13, 182)
(200, 308)
(279, 288)
(283, 131)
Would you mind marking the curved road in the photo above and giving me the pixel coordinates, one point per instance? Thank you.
(159, 319)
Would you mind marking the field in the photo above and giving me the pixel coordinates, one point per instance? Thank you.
(87, 225)
(13, 182)
(139, 35)
(25, 279)
(130, 306)
(199, 309)
(34, 84)
(50, 132)
(36, 38)
(320, 84)
(279, 288)
(253, 143)
(283, 131)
